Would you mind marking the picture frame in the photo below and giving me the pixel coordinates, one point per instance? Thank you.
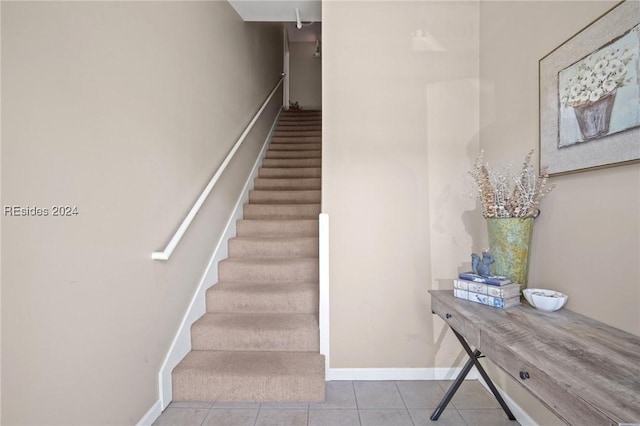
(589, 95)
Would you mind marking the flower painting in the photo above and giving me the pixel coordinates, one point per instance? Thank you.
(599, 95)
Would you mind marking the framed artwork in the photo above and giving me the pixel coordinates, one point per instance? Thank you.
(590, 95)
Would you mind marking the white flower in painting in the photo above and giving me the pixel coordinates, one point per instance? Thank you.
(601, 65)
(618, 73)
(584, 96)
(596, 94)
(614, 65)
(592, 82)
(609, 85)
(575, 90)
(602, 76)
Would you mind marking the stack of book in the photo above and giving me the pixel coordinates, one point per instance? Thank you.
(496, 291)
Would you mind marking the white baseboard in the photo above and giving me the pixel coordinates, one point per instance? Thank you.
(151, 415)
(181, 344)
(522, 416)
(397, 374)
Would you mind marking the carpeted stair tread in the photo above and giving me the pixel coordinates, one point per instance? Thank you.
(281, 211)
(267, 247)
(294, 154)
(290, 172)
(293, 269)
(277, 228)
(305, 196)
(263, 297)
(286, 184)
(249, 376)
(256, 332)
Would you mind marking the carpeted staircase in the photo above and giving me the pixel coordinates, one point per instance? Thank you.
(259, 339)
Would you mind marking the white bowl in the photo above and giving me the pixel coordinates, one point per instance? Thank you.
(546, 300)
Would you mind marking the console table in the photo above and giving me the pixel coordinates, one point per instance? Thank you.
(584, 371)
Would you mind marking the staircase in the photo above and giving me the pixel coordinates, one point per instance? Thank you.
(259, 339)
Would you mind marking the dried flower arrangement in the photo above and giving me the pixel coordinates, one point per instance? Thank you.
(504, 193)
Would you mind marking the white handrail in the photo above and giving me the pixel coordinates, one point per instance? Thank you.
(166, 253)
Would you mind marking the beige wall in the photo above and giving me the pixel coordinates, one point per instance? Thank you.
(305, 75)
(125, 110)
(400, 127)
(586, 243)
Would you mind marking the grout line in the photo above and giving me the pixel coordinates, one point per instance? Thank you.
(255, 421)
(395, 382)
(355, 397)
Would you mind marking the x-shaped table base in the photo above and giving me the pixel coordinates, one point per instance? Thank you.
(473, 361)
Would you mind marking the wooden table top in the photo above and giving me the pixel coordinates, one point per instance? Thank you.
(596, 363)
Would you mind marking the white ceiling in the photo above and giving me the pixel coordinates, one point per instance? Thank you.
(278, 10)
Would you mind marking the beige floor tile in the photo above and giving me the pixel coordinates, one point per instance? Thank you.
(487, 417)
(378, 395)
(334, 417)
(338, 394)
(231, 417)
(420, 394)
(181, 417)
(282, 417)
(385, 418)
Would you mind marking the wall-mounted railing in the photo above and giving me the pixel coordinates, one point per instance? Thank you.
(173, 243)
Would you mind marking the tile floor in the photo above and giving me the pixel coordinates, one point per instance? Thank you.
(347, 403)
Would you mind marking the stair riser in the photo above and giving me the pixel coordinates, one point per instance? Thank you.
(299, 116)
(273, 247)
(289, 172)
(286, 184)
(294, 298)
(298, 132)
(266, 340)
(296, 139)
(280, 212)
(277, 228)
(256, 332)
(293, 154)
(192, 386)
(284, 197)
(292, 162)
(296, 124)
(300, 270)
(294, 127)
(295, 147)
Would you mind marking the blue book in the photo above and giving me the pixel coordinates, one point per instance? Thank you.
(491, 280)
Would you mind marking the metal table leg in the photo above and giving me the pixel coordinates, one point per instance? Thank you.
(473, 360)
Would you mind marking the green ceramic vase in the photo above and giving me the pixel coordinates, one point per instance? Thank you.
(509, 243)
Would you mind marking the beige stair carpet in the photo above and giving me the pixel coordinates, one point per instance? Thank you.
(259, 338)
